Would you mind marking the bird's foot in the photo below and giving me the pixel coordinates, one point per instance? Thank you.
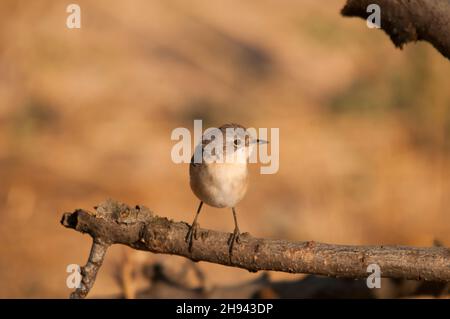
(234, 238)
(191, 235)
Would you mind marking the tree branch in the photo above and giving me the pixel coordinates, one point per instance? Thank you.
(409, 20)
(89, 272)
(139, 228)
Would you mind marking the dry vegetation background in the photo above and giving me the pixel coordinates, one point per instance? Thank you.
(87, 114)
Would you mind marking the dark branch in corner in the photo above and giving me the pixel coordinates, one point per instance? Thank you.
(139, 228)
(412, 20)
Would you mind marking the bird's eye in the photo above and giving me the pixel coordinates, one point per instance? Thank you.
(236, 142)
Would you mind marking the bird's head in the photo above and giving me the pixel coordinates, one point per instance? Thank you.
(229, 143)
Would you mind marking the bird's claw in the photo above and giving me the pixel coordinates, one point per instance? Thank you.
(234, 238)
(191, 235)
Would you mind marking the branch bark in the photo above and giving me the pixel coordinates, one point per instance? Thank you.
(409, 20)
(139, 228)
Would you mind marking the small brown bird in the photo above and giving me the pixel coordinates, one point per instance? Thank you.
(220, 179)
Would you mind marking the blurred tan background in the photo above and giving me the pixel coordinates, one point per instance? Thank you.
(87, 114)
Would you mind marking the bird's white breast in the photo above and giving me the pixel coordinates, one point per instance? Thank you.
(220, 184)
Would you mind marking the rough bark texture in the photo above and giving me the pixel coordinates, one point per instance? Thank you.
(409, 20)
(89, 271)
(139, 228)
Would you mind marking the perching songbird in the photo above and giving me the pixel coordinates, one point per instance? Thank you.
(221, 178)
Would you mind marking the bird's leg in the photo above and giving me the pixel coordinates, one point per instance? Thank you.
(235, 237)
(192, 233)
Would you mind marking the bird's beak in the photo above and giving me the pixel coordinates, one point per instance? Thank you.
(258, 141)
